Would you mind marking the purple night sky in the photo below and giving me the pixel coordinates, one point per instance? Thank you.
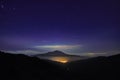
(87, 27)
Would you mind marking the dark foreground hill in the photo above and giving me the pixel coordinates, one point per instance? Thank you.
(99, 68)
(21, 67)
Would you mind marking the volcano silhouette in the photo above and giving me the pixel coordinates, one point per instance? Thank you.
(60, 55)
(54, 53)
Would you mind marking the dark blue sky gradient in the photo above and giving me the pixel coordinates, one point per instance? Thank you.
(94, 24)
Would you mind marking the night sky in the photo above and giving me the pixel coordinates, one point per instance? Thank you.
(86, 27)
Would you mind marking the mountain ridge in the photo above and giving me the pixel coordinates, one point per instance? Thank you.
(22, 67)
(60, 56)
(57, 53)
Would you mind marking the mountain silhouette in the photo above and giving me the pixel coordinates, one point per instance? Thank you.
(22, 67)
(54, 53)
(98, 68)
(59, 55)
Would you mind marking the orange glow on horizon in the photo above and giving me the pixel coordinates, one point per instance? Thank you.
(60, 59)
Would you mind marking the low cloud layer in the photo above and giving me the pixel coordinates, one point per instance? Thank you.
(58, 47)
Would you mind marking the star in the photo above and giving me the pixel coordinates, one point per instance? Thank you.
(2, 6)
(14, 8)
